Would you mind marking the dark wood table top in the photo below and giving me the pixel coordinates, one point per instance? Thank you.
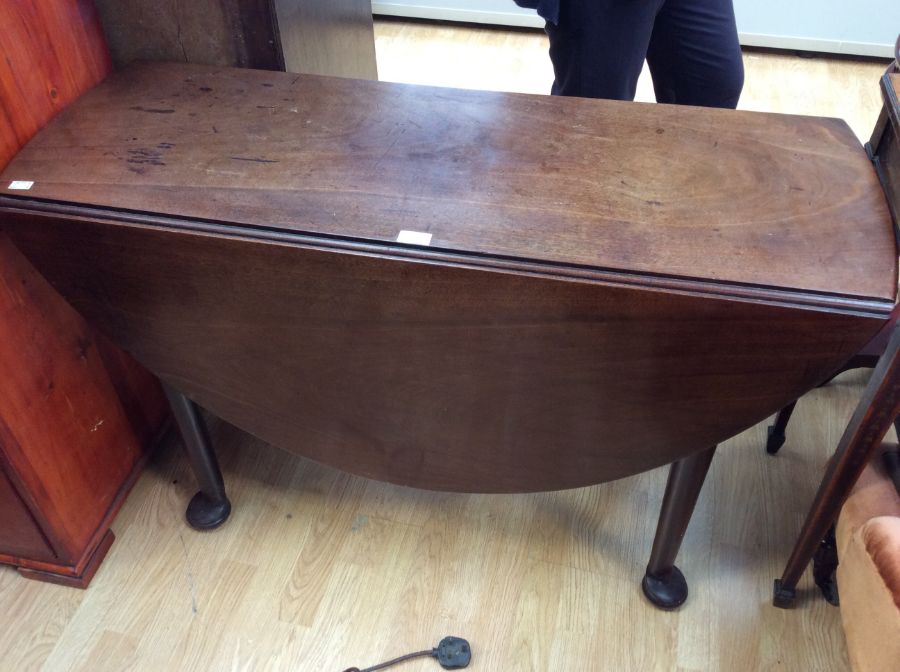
(783, 203)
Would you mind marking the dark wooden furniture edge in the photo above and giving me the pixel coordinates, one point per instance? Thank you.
(891, 461)
(866, 307)
(888, 122)
(892, 102)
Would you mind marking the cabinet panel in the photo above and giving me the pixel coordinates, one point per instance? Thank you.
(51, 53)
(19, 533)
(77, 415)
(67, 438)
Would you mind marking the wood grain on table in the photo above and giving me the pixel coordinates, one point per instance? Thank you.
(592, 264)
(734, 197)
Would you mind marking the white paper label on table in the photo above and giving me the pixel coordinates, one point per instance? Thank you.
(414, 237)
(21, 184)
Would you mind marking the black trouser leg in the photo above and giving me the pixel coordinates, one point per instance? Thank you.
(598, 48)
(694, 54)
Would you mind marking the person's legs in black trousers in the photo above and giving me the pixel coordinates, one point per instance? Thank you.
(599, 46)
(694, 54)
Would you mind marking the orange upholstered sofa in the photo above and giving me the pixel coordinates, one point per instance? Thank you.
(868, 576)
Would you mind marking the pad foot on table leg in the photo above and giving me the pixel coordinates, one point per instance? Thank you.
(775, 439)
(668, 591)
(205, 513)
(210, 507)
(663, 583)
(777, 430)
(783, 598)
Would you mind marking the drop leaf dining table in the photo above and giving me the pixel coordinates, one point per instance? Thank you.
(458, 290)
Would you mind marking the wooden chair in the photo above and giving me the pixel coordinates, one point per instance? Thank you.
(880, 404)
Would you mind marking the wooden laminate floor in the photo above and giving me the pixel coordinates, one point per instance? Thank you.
(317, 570)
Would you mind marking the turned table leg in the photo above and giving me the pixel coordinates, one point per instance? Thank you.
(776, 432)
(664, 584)
(210, 507)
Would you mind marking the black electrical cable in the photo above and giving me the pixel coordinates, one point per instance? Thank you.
(381, 666)
(451, 652)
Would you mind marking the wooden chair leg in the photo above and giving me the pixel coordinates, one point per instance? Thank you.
(210, 507)
(876, 411)
(776, 435)
(825, 564)
(776, 432)
(663, 583)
